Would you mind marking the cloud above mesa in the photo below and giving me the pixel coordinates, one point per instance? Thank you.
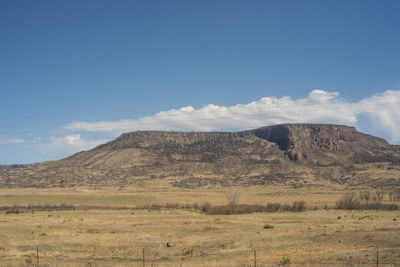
(382, 111)
(66, 145)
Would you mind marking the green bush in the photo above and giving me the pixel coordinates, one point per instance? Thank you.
(285, 260)
(268, 226)
(188, 252)
(28, 261)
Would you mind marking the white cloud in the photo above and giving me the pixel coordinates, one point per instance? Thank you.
(65, 145)
(319, 106)
(383, 111)
(11, 140)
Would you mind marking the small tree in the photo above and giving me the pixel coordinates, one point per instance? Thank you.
(233, 197)
(365, 196)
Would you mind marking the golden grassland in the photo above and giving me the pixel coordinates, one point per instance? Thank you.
(107, 229)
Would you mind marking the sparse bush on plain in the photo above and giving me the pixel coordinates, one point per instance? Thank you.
(205, 207)
(284, 261)
(268, 226)
(188, 252)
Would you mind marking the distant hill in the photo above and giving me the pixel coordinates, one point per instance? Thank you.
(288, 154)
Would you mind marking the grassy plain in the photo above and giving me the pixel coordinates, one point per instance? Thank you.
(108, 229)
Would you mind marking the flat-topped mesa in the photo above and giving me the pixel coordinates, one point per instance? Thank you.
(148, 138)
(299, 142)
(279, 154)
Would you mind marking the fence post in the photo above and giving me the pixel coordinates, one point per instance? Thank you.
(37, 255)
(377, 258)
(143, 257)
(255, 258)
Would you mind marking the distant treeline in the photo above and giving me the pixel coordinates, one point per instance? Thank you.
(297, 206)
(367, 201)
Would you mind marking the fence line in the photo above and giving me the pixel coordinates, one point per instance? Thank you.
(256, 261)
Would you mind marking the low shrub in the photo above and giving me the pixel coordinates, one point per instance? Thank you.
(284, 261)
(205, 207)
(188, 252)
(13, 211)
(268, 226)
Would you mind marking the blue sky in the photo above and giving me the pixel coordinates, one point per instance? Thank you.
(74, 74)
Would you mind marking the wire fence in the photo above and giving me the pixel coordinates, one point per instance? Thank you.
(189, 258)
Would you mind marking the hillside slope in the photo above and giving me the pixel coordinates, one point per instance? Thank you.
(287, 154)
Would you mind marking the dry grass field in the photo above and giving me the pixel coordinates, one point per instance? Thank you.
(109, 227)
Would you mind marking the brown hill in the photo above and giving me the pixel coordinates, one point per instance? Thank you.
(287, 154)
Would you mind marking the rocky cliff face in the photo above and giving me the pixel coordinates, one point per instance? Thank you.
(282, 154)
(310, 142)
